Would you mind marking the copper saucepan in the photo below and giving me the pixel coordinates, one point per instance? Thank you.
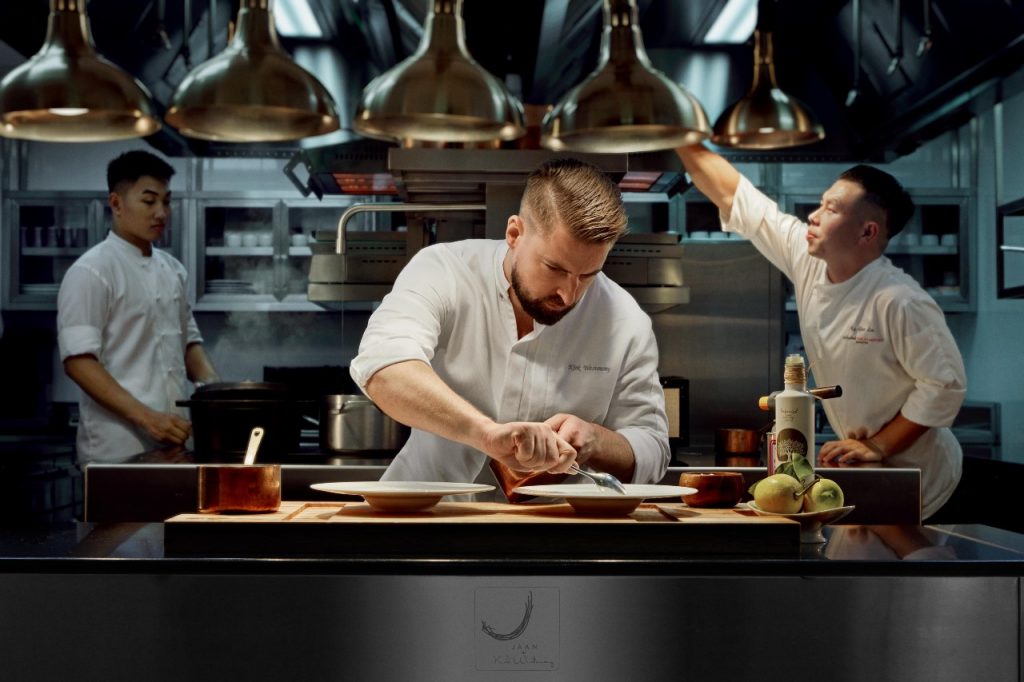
(737, 441)
(738, 447)
(246, 487)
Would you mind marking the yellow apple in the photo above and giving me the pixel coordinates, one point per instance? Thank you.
(778, 493)
(823, 495)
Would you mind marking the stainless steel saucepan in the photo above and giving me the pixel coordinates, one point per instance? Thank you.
(352, 423)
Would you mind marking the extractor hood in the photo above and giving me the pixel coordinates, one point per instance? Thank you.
(453, 194)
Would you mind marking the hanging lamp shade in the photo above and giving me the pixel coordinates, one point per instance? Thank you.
(440, 93)
(252, 91)
(766, 117)
(68, 93)
(625, 105)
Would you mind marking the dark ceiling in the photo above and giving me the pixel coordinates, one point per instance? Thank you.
(541, 48)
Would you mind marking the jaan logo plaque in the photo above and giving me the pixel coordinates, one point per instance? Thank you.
(516, 628)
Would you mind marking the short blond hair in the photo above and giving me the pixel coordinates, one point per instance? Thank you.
(577, 194)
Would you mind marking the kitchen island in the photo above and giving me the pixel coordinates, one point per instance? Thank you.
(902, 602)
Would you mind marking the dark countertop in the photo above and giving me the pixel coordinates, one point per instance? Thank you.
(849, 550)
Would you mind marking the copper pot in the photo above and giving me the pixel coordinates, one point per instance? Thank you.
(737, 441)
(239, 487)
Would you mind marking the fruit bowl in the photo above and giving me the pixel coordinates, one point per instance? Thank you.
(810, 522)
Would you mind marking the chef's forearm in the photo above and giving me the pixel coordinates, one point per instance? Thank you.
(97, 382)
(613, 454)
(896, 436)
(413, 394)
(198, 365)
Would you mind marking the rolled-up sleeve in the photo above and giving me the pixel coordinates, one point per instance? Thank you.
(407, 324)
(926, 349)
(637, 410)
(81, 312)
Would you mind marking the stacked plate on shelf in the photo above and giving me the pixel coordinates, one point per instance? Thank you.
(40, 289)
(229, 286)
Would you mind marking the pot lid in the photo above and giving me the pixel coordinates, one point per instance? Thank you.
(242, 390)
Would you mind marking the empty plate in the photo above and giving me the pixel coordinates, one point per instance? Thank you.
(401, 496)
(588, 498)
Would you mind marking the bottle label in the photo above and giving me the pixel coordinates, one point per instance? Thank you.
(789, 443)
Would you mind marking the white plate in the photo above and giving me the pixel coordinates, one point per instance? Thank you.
(810, 522)
(589, 498)
(401, 496)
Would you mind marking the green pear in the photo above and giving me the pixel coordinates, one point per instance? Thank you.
(825, 494)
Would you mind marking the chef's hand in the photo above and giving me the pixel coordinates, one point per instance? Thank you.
(857, 447)
(583, 436)
(164, 427)
(529, 446)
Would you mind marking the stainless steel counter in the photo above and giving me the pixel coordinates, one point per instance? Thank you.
(110, 606)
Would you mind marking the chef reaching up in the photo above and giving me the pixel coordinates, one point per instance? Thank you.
(520, 351)
(124, 326)
(866, 325)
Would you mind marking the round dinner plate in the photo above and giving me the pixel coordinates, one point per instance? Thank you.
(590, 498)
(401, 496)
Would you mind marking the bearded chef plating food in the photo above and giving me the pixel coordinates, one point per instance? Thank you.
(520, 351)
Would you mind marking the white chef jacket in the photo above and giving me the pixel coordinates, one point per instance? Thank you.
(878, 334)
(450, 308)
(132, 313)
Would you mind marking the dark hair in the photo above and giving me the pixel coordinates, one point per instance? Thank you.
(884, 191)
(130, 166)
(578, 194)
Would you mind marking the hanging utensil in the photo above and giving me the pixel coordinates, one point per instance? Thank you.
(254, 444)
(854, 93)
(925, 43)
(897, 52)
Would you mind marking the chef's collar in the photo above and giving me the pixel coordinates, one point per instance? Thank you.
(835, 289)
(126, 247)
(501, 282)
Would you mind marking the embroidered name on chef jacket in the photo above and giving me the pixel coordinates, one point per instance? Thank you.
(863, 335)
(588, 368)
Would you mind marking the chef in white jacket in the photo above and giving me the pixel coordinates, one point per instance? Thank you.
(126, 332)
(866, 325)
(520, 350)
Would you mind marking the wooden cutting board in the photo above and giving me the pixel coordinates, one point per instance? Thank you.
(481, 530)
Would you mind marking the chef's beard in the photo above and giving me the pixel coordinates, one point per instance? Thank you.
(535, 307)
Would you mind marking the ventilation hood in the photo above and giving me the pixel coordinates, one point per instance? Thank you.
(450, 194)
(542, 48)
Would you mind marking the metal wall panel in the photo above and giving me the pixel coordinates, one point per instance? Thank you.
(482, 628)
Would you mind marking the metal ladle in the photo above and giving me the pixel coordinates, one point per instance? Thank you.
(602, 480)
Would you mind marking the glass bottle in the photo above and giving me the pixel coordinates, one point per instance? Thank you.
(794, 420)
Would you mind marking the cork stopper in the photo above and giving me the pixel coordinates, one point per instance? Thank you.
(794, 371)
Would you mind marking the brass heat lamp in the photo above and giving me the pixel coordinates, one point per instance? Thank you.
(766, 117)
(252, 91)
(440, 93)
(68, 93)
(625, 105)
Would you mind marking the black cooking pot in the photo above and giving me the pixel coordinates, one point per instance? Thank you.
(224, 414)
